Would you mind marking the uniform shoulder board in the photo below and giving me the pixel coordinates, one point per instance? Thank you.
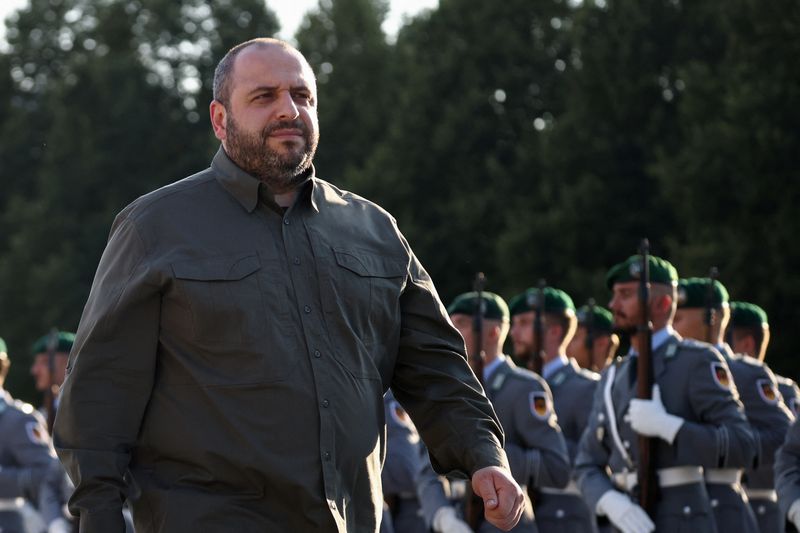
(24, 407)
(693, 344)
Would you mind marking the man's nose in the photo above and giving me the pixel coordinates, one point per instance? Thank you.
(287, 110)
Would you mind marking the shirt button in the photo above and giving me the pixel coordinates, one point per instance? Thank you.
(333, 505)
(714, 502)
(317, 354)
(327, 456)
(325, 403)
(296, 260)
(307, 309)
(286, 221)
(560, 513)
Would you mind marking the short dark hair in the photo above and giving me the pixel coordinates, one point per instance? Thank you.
(222, 74)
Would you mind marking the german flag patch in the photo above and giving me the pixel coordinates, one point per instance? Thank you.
(37, 434)
(721, 375)
(539, 405)
(767, 391)
(400, 415)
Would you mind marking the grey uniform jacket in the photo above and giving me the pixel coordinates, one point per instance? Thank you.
(408, 479)
(787, 470)
(535, 446)
(715, 433)
(26, 457)
(768, 416)
(789, 393)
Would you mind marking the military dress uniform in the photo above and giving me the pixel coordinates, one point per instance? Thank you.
(695, 385)
(535, 445)
(769, 421)
(564, 510)
(411, 488)
(787, 479)
(26, 458)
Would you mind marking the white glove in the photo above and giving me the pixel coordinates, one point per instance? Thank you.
(649, 417)
(623, 513)
(794, 514)
(59, 525)
(446, 521)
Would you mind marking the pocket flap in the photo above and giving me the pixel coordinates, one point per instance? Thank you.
(219, 268)
(369, 264)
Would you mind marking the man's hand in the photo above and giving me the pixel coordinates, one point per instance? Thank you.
(649, 417)
(623, 513)
(502, 497)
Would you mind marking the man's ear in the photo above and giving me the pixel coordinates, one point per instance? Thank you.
(218, 119)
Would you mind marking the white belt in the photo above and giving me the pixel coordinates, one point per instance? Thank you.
(667, 477)
(724, 476)
(762, 494)
(571, 489)
(11, 504)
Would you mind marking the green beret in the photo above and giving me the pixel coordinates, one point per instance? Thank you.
(494, 307)
(65, 340)
(555, 301)
(661, 271)
(746, 315)
(693, 293)
(602, 319)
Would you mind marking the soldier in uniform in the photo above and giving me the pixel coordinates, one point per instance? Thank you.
(417, 498)
(26, 459)
(594, 344)
(748, 333)
(44, 379)
(537, 452)
(787, 480)
(694, 416)
(768, 416)
(573, 388)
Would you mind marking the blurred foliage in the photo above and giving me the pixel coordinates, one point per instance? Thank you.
(524, 139)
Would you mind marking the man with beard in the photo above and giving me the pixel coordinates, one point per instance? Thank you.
(243, 325)
(557, 509)
(694, 416)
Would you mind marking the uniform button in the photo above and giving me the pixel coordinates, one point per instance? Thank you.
(762, 509)
(296, 260)
(317, 354)
(714, 502)
(327, 456)
(627, 444)
(560, 513)
(325, 403)
(286, 221)
(687, 510)
(307, 309)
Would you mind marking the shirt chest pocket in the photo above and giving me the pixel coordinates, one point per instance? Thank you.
(226, 297)
(361, 299)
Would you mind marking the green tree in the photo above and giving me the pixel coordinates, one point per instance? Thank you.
(345, 45)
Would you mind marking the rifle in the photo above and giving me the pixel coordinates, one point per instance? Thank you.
(647, 446)
(589, 324)
(536, 302)
(710, 313)
(473, 504)
(476, 354)
(52, 388)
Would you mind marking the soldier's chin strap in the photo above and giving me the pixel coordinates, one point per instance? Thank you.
(612, 418)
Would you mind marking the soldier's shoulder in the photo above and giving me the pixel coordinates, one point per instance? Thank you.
(786, 382)
(525, 376)
(19, 411)
(588, 375)
(698, 349)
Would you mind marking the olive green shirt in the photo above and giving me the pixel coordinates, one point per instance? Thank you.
(229, 367)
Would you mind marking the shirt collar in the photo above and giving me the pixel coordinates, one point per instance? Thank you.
(491, 367)
(554, 366)
(246, 188)
(659, 337)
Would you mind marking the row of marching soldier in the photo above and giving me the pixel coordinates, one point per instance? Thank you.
(708, 424)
